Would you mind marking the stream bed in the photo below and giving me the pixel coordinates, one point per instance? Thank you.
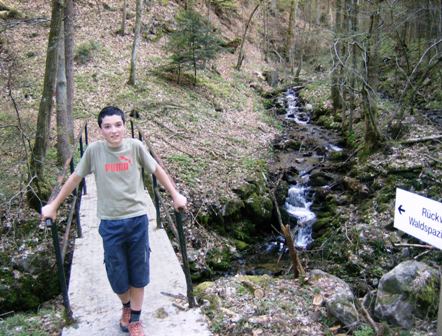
(303, 148)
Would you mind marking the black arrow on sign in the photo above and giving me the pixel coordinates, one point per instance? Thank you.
(401, 210)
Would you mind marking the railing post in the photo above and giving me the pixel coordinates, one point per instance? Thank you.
(140, 137)
(60, 268)
(83, 181)
(86, 137)
(156, 200)
(77, 210)
(186, 269)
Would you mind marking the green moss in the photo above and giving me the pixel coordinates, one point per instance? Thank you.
(328, 121)
(260, 206)
(200, 290)
(240, 245)
(260, 280)
(44, 322)
(427, 299)
(219, 259)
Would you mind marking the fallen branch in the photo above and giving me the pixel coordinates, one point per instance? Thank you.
(432, 158)
(298, 270)
(413, 245)
(416, 140)
(421, 254)
(368, 317)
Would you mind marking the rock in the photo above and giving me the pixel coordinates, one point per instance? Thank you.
(338, 297)
(260, 207)
(408, 290)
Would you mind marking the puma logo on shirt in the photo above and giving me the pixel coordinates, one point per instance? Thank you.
(115, 167)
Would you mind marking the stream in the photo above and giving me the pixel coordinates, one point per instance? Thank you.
(315, 145)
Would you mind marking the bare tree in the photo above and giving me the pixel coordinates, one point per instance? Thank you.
(241, 48)
(133, 60)
(123, 21)
(337, 64)
(69, 65)
(44, 113)
(63, 141)
(373, 137)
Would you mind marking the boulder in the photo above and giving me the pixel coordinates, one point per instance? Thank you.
(338, 297)
(409, 290)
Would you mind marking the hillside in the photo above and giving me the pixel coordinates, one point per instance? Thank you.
(225, 141)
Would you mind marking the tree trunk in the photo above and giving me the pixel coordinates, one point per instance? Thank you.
(69, 65)
(123, 21)
(373, 137)
(133, 59)
(241, 48)
(335, 91)
(63, 143)
(354, 28)
(44, 111)
(290, 28)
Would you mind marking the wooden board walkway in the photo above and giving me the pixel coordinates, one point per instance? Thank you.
(97, 309)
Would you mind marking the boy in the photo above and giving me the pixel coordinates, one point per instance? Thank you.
(116, 163)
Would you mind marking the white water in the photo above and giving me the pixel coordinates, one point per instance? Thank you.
(300, 199)
(294, 111)
(298, 208)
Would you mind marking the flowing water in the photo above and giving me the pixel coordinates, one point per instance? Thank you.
(265, 257)
(300, 195)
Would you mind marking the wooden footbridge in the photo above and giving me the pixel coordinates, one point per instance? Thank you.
(90, 303)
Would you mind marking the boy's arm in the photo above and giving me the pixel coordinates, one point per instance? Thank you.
(50, 210)
(179, 201)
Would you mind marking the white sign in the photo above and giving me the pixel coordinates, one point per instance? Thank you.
(419, 216)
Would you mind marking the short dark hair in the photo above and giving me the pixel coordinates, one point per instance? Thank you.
(110, 111)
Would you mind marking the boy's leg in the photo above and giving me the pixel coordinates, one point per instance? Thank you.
(136, 298)
(115, 255)
(138, 268)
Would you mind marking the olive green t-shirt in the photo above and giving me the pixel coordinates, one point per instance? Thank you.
(120, 188)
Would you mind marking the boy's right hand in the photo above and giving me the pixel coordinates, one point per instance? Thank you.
(48, 211)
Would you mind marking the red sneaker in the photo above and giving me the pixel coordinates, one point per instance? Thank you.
(136, 329)
(125, 317)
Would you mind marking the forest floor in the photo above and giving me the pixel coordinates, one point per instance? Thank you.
(212, 137)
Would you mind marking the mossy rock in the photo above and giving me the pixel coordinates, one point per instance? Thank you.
(245, 190)
(281, 192)
(199, 274)
(232, 208)
(240, 245)
(260, 280)
(328, 121)
(24, 291)
(200, 290)
(219, 259)
(260, 207)
(243, 231)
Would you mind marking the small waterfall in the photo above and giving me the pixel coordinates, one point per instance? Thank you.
(300, 195)
(297, 206)
(295, 111)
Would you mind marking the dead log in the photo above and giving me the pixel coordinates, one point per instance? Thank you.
(423, 139)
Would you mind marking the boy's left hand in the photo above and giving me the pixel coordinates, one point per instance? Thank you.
(179, 202)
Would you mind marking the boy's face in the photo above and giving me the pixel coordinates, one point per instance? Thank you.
(113, 130)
